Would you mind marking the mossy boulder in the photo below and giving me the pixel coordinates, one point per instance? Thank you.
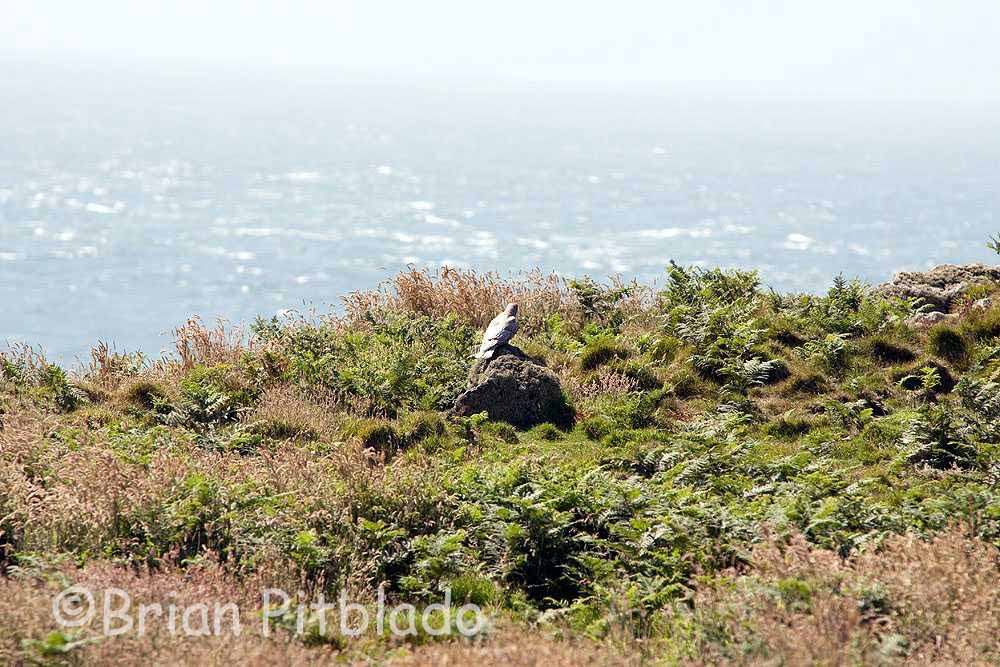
(514, 388)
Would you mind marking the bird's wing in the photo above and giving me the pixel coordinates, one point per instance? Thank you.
(509, 329)
(495, 326)
(500, 330)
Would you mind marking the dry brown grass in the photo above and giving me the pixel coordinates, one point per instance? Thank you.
(108, 367)
(25, 357)
(197, 344)
(58, 493)
(603, 382)
(801, 605)
(25, 606)
(797, 605)
(471, 296)
(26, 603)
(286, 405)
(519, 649)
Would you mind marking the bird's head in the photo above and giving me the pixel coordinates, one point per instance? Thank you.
(511, 310)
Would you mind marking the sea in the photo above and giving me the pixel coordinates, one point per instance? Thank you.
(134, 196)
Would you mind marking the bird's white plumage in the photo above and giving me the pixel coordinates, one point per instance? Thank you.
(499, 332)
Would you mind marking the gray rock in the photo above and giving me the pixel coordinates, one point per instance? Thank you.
(929, 319)
(941, 285)
(983, 304)
(513, 387)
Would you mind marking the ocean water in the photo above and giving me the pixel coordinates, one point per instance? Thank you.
(134, 197)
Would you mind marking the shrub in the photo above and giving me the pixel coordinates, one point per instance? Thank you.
(984, 326)
(776, 371)
(947, 343)
(600, 303)
(804, 383)
(475, 589)
(212, 395)
(65, 396)
(633, 410)
(929, 376)
(393, 362)
(663, 349)
(883, 433)
(715, 312)
(978, 291)
(11, 372)
(785, 332)
(936, 439)
(471, 297)
(830, 352)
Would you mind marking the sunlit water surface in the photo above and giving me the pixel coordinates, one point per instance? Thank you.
(133, 199)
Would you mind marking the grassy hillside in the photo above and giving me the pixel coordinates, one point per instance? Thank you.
(752, 478)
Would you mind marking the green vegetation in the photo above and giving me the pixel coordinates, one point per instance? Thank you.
(747, 470)
(947, 343)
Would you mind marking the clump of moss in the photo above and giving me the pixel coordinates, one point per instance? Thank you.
(144, 394)
(501, 430)
(596, 427)
(599, 352)
(376, 434)
(886, 351)
(788, 426)
(947, 343)
(644, 376)
(418, 426)
(804, 383)
(687, 384)
(547, 432)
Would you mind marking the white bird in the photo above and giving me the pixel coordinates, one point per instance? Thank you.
(501, 329)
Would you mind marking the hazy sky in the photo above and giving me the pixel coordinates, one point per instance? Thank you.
(895, 46)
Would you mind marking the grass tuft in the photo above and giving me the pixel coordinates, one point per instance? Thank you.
(947, 343)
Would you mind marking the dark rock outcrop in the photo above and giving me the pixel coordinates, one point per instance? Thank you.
(513, 387)
(939, 286)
